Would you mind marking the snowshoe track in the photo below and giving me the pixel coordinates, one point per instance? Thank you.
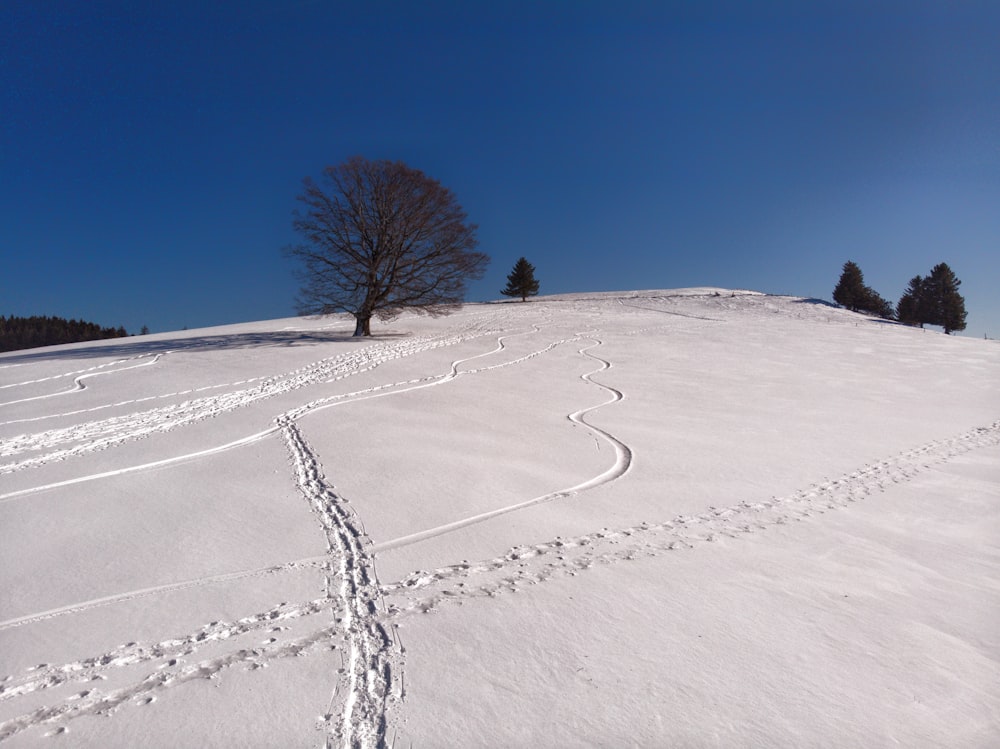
(529, 565)
(353, 590)
(378, 660)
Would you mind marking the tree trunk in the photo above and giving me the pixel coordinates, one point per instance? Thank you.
(363, 326)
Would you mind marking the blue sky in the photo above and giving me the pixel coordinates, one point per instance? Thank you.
(151, 153)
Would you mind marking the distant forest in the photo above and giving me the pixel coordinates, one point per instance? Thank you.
(30, 332)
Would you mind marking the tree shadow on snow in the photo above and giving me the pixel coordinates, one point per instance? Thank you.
(821, 302)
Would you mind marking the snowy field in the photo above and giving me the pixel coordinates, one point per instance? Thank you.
(695, 518)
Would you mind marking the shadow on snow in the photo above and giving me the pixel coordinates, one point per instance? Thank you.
(138, 345)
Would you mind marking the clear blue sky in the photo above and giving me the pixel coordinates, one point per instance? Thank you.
(151, 153)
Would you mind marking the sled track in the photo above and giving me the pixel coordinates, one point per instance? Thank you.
(424, 591)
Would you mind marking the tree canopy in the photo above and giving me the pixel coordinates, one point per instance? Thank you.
(933, 300)
(912, 306)
(927, 300)
(851, 292)
(382, 237)
(850, 287)
(521, 281)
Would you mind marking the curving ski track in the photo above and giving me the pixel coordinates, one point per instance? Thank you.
(80, 439)
(364, 611)
(423, 591)
(529, 565)
(620, 466)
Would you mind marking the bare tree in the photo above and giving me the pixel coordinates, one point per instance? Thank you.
(382, 238)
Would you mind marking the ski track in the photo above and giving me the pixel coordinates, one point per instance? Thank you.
(97, 435)
(372, 658)
(364, 611)
(424, 591)
(81, 606)
(352, 590)
(529, 565)
(352, 594)
(620, 466)
(377, 391)
(133, 401)
(289, 416)
(132, 426)
(78, 385)
(74, 373)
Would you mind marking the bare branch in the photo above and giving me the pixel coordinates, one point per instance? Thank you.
(381, 238)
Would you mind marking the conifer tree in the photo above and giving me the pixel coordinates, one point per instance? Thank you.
(28, 332)
(876, 304)
(912, 306)
(946, 307)
(521, 281)
(850, 291)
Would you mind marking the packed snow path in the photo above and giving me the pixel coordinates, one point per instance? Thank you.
(594, 439)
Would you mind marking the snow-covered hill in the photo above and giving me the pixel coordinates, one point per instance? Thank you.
(666, 518)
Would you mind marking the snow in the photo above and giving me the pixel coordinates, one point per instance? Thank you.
(695, 517)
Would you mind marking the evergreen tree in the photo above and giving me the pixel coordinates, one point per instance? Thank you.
(876, 304)
(945, 307)
(29, 332)
(521, 281)
(850, 291)
(912, 306)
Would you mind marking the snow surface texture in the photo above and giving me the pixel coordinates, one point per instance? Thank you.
(668, 518)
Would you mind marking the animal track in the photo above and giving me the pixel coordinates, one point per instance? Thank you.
(566, 557)
(425, 591)
(357, 616)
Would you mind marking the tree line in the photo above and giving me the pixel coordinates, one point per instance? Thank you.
(930, 300)
(30, 332)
